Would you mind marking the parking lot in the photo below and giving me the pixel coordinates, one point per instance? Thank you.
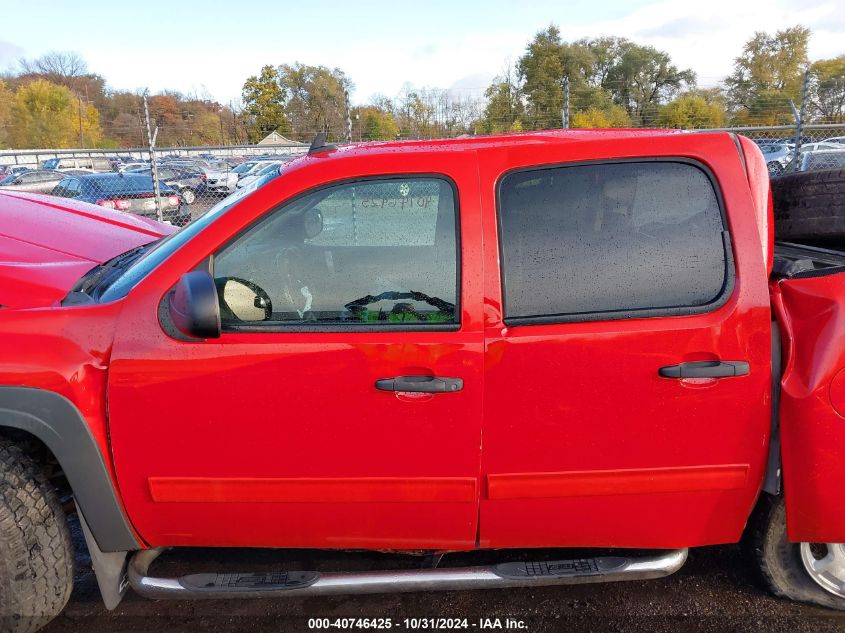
(715, 591)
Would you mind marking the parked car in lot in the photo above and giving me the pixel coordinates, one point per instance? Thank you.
(777, 156)
(818, 159)
(219, 177)
(648, 369)
(133, 166)
(98, 164)
(190, 182)
(7, 170)
(132, 193)
(35, 181)
(814, 147)
(835, 139)
(268, 168)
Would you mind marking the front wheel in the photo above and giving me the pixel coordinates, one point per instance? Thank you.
(806, 572)
(36, 555)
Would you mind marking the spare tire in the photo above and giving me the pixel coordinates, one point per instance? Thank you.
(810, 205)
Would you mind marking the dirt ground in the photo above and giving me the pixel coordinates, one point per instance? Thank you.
(715, 591)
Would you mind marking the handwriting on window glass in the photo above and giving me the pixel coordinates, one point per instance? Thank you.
(409, 202)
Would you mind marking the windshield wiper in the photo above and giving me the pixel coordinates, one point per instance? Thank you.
(99, 276)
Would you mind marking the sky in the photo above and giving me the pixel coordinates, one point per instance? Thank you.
(210, 47)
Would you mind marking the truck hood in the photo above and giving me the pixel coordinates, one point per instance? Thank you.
(48, 243)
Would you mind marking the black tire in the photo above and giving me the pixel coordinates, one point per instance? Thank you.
(36, 554)
(810, 205)
(778, 560)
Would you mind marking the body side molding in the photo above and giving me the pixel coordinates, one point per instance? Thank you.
(54, 420)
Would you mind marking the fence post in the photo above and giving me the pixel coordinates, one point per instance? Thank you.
(153, 167)
(348, 116)
(565, 113)
(802, 113)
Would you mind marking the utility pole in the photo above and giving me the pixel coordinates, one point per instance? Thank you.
(81, 133)
(151, 138)
(565, 113)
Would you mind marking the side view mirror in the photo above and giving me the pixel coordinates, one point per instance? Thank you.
(193, 305)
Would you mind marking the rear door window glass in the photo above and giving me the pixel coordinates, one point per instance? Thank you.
(610, 240)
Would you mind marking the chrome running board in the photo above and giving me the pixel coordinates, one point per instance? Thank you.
(516, 574)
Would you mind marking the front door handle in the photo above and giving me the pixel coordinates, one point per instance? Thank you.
(706, 369)
(420, 384)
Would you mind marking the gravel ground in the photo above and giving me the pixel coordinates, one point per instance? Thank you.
(715, 591)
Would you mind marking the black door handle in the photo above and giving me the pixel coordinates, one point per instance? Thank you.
(706, 369)
(420, 384)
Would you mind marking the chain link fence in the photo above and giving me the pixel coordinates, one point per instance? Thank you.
(180, 155)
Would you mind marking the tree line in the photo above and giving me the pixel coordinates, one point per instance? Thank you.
(56, 101)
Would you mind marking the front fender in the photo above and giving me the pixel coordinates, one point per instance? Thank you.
(54, 420)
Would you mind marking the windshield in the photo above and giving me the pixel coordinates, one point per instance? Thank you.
(161, 250)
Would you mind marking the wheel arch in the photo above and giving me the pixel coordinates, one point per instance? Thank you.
(53, 420)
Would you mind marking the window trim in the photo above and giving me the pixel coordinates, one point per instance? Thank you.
(617, 315)
(258, 328)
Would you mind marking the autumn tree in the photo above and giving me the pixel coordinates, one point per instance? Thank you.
(264, 104)
(6, 103)
(827, 89)
(767, 76)
(50, 115)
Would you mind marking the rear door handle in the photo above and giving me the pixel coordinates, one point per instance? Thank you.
(706, 369)
(420, 384)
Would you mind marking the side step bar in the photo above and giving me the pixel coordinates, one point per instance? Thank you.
(308, 583)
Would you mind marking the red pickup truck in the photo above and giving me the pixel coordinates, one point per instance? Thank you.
(579, 339)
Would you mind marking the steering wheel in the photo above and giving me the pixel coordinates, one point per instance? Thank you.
(358, 305)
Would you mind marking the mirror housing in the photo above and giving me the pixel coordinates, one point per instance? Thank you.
(194, 307)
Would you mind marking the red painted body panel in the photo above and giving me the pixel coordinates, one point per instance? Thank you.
(281, 439)
(585, 397)
(280, 407)
(812, 316)
(47, 244)
(65, 351)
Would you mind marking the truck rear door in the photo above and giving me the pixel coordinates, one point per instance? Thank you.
(627, 398)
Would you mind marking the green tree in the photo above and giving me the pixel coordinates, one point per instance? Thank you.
(375, 123)
(504, 110)
(264, 104)
(827, 89)
(542, 68)
(767, 75)
(692, 111)
(315, 100)
(640, 78)
(50, 115)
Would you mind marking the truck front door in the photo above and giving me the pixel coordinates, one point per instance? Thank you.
(317, 419)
